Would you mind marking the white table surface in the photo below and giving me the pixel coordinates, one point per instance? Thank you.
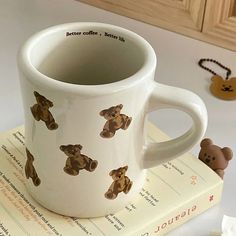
(177, 66)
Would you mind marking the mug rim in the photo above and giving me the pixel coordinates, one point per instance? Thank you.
(30, 71)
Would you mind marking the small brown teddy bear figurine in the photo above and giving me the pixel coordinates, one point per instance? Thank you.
(120, 184)
(115, 121)
(215, 157)
(30, 171)
(40, 111)
(77, 161)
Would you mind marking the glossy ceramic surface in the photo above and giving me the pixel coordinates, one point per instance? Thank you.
(87, 88)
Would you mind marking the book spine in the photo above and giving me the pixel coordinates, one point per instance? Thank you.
(183, 213)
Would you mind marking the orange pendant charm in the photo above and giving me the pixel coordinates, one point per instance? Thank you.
(223, 89)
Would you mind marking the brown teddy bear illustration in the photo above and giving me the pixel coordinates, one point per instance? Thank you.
(215, 157)
(30, 171)
(224, 89)
(77, 161)
(40, 111)
(115, 121)
(120, 184)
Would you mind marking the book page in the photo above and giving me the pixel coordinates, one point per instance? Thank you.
(21, 215)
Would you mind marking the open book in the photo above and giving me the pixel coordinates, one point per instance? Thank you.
(173, 193)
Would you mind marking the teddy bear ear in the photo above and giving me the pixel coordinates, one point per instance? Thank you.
(36, 94)
(79, 146)
(120, 106)
(125, 167)
(216, 78)
(233, 80)
(112, 172)
(63, 147)
(206, 142)
(227, 153)
(102, 113)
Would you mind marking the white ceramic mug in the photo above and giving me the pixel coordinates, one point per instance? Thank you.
(87, 88)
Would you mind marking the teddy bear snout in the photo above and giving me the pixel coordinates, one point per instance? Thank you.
(227, 88)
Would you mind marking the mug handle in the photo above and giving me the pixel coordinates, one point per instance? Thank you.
(163, 96)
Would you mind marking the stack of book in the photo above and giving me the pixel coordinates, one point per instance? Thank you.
(173, 193)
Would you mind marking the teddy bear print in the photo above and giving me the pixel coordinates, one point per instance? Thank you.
(215, 157)
(40, 111)
(121, 183)
(224, 89)
(77, 161)
(115, 121)
(30, 171)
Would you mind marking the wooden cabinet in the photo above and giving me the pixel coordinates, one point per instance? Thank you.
(213, 21)
(220, 23)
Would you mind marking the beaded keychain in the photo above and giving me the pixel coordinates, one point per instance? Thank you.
(221, 88)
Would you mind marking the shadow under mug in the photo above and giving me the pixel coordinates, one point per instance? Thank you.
(87, 88)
